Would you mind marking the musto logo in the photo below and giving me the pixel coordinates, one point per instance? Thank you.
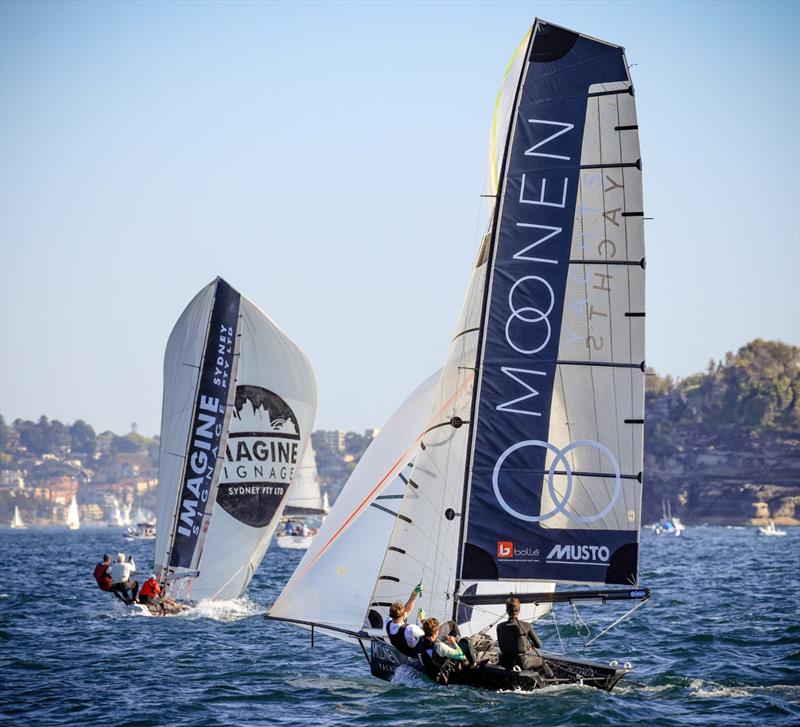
(583, 554)
(505, 549)
(262, 451)
(561, 501)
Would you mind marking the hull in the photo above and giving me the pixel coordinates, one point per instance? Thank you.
(488, 674)
(294, 542)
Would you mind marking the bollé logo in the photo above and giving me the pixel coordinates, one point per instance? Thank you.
(505, 549)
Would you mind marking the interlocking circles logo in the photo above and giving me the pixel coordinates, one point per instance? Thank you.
(561, 501)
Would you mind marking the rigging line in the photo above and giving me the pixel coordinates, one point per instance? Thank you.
(579, 623)
(625, 615)
(364, 502)
(558, 631)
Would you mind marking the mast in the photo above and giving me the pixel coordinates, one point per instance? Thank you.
(500, 188)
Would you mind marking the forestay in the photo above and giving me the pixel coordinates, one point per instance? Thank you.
(239, 404)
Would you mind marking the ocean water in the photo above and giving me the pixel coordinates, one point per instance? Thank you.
(719, 644)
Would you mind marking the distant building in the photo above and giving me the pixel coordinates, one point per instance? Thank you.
(333, 440)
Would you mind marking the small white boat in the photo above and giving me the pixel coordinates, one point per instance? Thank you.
(668, 525)
(141, 531)
(295, 535)
(771, 530)
(17, 522)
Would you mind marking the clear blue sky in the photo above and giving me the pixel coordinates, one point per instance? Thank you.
(327, 160)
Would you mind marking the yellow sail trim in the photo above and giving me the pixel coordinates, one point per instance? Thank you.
(493, 160)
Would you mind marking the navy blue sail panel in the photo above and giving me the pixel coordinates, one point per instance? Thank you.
(506, 539)
(207, 424)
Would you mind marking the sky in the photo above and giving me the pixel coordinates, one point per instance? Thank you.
(327, 159)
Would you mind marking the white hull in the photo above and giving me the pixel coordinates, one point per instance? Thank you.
(771, 533)
(294, 542)
(128, 536)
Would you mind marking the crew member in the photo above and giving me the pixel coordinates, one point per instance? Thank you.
(404, 636)
(435, 648)
(518, 641)
(150, 593)
(121, 579)
(102, 574)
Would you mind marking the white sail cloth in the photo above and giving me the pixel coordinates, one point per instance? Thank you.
(263, 438)
(334, 580)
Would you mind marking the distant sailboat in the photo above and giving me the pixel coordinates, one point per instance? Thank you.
(668, 525)
(305, 501)
(116, 515)
(17, 523)
(73, 518)
(771, 530)
(239, 405)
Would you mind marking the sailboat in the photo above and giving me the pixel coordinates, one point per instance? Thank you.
(771, 530)
(238, 408)
(17, 522)
(524, 476)
(668, 524)
(116, 515)
(73, 518)
(305, 501)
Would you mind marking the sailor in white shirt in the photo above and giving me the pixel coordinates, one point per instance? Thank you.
(121, 578)
(404, 636)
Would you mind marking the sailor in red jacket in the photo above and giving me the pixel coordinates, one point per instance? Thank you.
(150, 591)
(102, 574)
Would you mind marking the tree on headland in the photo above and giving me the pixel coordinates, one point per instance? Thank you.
(758, 387)
(83, 438)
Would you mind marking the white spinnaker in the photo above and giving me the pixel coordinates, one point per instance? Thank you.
(334, 580)
(182, 361)
(304, 492)
(604, 322)
(270, 360)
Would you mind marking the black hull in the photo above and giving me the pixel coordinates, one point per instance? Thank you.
(384, 660)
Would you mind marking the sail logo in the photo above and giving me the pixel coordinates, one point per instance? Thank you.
(505, 549)
(260, 457)
(561, 501)
(584, 554)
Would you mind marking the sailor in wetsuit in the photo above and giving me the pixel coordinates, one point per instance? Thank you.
(517, 640)
(404, 636)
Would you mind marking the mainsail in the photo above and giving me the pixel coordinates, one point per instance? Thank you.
(528, 468)
(239, 404)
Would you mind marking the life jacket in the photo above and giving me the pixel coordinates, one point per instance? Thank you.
(150, 588)
(103, 579)
(427, 652)
(398, 640)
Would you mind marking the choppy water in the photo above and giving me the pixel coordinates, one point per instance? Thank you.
(718, 644)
